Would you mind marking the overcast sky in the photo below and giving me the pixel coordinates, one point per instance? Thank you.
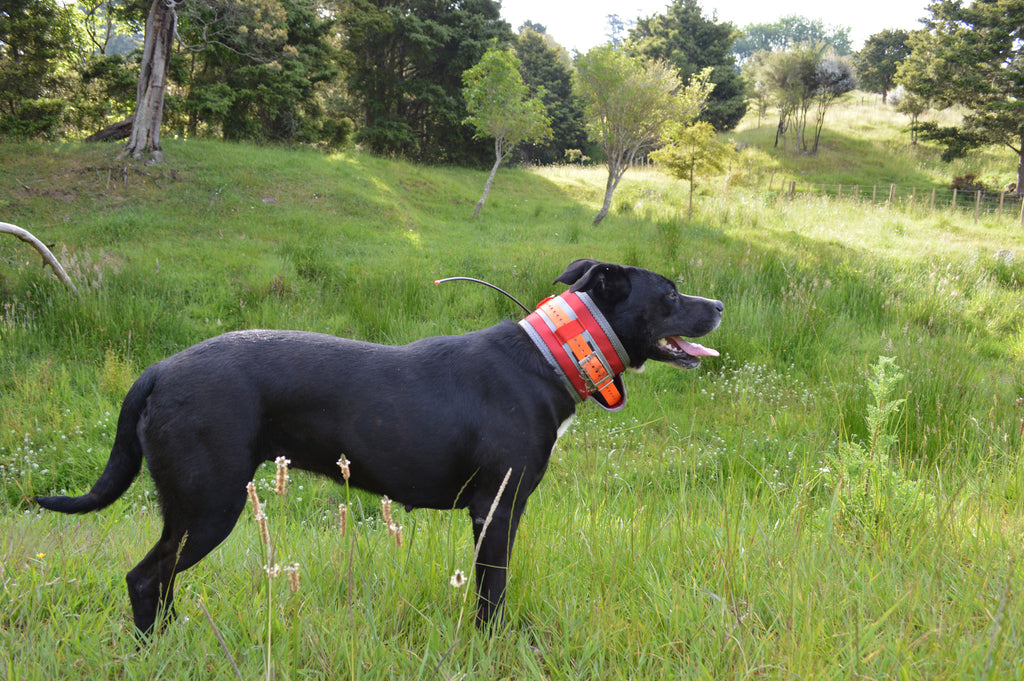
(581, 24)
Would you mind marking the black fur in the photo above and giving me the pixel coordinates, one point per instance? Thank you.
(436, 424)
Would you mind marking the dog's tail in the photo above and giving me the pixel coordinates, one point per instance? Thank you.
(125, 457)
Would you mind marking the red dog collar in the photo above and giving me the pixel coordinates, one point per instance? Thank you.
(579, 343)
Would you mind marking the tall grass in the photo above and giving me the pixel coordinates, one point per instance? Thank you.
(706, 531)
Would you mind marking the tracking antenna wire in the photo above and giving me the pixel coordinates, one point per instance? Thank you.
(481, 281)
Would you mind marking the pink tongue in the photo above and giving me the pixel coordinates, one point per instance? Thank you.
(695, 349)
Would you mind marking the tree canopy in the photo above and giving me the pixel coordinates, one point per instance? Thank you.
(547, 71)
(973, 55)
(878, 60)
(405, 60)
(35, 35)
(692, 42)
(628, 101)
(692, 150)
(789, 32)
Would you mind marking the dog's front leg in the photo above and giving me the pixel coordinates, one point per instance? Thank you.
(494, 545)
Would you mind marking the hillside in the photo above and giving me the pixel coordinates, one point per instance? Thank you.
(798, 504)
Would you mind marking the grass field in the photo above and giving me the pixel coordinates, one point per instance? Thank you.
(839, 495)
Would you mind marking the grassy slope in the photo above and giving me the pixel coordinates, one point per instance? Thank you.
(707, 530)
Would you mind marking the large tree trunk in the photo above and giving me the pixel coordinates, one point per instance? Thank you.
(149, 103)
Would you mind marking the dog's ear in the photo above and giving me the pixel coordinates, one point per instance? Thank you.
(606, 281)
(574, 271)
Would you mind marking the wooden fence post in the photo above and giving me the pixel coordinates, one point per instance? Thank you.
(977, 205)
(952, 206)
(931, 206)
(892, 194)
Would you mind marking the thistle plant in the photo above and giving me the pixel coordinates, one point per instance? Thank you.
(873, 495)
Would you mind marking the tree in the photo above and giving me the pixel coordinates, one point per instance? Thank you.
(788, 80)
(260, 82)
(833, 78)
(789, 32)
(628, 100)
(973, 56)
(546, 70)
(405, 60)
(36, 38)
(692, 150)
(161, 24)
(691, 42)
(499, 106)
(798, 80)
(913, 105)
(880, 57)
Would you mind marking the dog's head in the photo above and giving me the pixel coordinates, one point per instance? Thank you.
(649, 315)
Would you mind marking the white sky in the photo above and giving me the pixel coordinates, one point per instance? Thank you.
(581, 24)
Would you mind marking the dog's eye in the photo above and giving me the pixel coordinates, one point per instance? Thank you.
(673, 295)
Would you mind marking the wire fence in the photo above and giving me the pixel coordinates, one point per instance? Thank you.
(1002, 204)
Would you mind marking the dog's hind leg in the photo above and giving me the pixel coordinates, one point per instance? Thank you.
(188, 536)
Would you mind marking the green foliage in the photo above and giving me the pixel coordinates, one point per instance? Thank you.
(798, 81)
(692, 42)
(548, 72)
(874, 499)
(499, 104)
(37, 40)
(405, 60)
(789, 32)
(970, 55)
(628, 100)
(956, 141)
(879, 59)
(691, 151)
(500, 107)
(259, 81)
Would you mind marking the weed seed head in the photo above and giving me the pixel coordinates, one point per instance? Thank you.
(293, 577)
(281, 481)
(458, 579)
(343, 464)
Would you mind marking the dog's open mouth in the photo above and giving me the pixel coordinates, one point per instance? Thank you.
(681, 352)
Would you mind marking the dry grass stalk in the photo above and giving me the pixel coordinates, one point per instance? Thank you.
(258, 514)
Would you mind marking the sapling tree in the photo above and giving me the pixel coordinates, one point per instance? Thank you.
(692, 150)
(500, 107)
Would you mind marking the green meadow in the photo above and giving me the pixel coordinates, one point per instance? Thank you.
(840, 495)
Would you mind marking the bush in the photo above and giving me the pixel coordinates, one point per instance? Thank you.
(39, 119)
(969, 182)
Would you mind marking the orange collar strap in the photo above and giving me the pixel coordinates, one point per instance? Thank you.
(579, 343)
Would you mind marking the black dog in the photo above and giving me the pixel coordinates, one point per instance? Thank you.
(439, 423)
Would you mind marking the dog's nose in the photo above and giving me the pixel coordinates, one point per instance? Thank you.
(719, 305)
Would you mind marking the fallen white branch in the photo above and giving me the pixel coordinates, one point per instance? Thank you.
(48, 257)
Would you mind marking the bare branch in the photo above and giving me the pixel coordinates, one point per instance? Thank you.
(48, 257)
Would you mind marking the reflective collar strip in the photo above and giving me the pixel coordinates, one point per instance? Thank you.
(576, 338)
